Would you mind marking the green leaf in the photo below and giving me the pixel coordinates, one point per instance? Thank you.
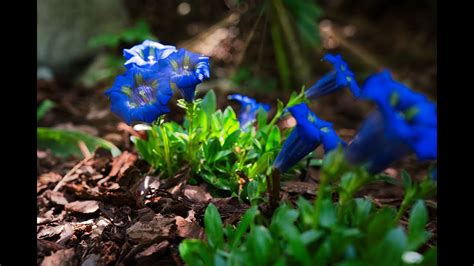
(283, 218)
(327, 216)
(273, 140)
(231, 139)
(310, 236)
(362, 211)
(65, 142)
(307, 212)
(222, 154)
(244, 224)
(211, 148)
(194, 252)
(259, 243)
(213, 227)
(416, 226)
(262, 118)
(430, 258)
(379, 224)
(407, 183)
(208, 103)
(390, 250)
(261, 165)
(44, 107)
(231, 123)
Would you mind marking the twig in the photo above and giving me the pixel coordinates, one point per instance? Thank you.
(67, 178)
(84, 150)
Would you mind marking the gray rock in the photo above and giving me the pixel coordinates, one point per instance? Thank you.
(65, 27)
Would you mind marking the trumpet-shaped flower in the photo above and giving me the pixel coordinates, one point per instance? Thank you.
(147, 54)
(341, 76)
(184, 70)
(309, 133)
(404, 122)
(249, 108)
(139, 95)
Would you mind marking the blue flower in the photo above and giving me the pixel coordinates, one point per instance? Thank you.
(309, 133)
(147, 54)
(337, 79)
(405, 122)
(139, 95)
(184, 70)
(249, 108)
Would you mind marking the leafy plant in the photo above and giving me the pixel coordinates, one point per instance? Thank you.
(353, 232)
(217, 150)
(66, 142)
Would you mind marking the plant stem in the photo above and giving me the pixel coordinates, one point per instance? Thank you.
(323, 186)
(401, 210)
(274, 189)
(166, 149)
(190, 108)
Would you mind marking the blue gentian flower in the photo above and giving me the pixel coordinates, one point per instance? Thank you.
(139, 95)
(184, 70)
(147, 54)
(337, 79)
(405, 122)
(249, 108)
(309, 133)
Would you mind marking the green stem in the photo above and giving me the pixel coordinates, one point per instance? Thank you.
(323, 187)
(166, 149)
(401, 210)
(190, 113)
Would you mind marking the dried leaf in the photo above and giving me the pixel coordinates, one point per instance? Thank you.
(87, 206)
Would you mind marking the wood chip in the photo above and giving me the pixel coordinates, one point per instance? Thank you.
(196, 193)
(146, 231)
(63, 257)
(56, 197)
(50, 177)
(50, 232)
(67, 233)
(299, 187)
(188, 229)
(151, 252)
(87, 206)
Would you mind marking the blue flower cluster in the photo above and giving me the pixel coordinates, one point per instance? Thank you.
(249, 109)
(309, 133)
(404, 122)
(153, 70)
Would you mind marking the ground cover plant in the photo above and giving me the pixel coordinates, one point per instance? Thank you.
(270, 184)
